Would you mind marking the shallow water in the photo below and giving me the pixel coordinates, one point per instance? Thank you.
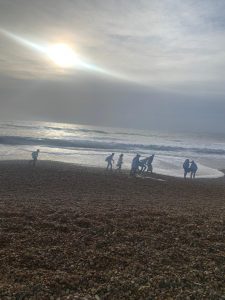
(89, 145)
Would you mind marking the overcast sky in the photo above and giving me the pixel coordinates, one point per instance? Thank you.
(164, 63)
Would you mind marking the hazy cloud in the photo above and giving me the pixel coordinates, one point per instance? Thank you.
(172, 52)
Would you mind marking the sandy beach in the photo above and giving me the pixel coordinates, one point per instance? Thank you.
(71, 232)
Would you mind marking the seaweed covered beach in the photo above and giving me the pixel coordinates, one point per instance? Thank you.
(71, 232)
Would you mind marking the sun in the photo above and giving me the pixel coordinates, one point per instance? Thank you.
(62, 55)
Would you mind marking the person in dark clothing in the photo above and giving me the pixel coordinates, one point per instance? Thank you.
(186, 167)
(110, 161)
(149, 163)
(35, 157)
(119, 162)
(135, 165)
(143, 164)
(193, 169)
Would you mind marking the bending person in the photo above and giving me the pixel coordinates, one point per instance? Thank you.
(143, 164)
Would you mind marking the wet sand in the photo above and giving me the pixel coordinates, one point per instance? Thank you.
(70, 232)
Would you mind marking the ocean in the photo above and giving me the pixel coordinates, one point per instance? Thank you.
(89, 145)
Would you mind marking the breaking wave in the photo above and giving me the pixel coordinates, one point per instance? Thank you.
(61, 143)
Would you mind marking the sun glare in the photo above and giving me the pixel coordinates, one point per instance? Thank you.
(62, 55)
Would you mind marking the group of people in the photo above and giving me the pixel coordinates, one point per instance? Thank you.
(190, 167)
(141, 165)
(110, 161)
(137, 166)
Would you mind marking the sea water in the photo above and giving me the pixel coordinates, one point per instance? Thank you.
(89, 146)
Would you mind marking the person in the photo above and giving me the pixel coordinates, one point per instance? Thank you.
(193, 169)
(149, 163)
(110, 161)
(186, 167)
(143, 164)
(119, 162)
(135, 165)
(35, 157)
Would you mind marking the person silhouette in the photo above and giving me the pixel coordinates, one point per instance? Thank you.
(135, 165)
(35, 157)
(149, 163)
(119, 162)
(186, 167)
(193, 169)
(110, 161)
(143, 164)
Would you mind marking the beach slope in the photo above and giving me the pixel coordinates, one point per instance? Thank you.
(81, 233)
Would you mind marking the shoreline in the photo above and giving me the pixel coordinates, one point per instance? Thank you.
(124, 171)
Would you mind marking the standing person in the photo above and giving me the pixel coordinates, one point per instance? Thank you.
(149, 163)
(119, 162)
(110, 161)
(135, 165)
(35, 157)
(193, 169)
(186, 167)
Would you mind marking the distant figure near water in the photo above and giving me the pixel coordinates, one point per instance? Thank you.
(35, 157)
(193, 169)
(119, 162)
(186, 167)
(149, 163)
(146, 164)
(143, 164)
(110, 161)
(134, 165)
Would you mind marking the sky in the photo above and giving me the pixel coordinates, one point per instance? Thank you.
(151, 64)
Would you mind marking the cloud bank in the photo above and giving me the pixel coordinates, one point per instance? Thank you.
(171, 53)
